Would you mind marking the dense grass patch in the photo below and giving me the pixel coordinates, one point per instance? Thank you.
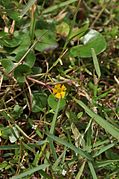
(59, 89)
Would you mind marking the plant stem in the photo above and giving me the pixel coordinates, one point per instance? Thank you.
(54, 118)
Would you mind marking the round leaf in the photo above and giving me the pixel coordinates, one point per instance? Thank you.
(92, 39)
(11, 42)
(47, 40)
(7, 64)
(20, 72)
(52, 102)
(39, 102)
(30, 59)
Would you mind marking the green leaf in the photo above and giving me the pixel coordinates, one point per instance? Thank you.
(55, 118)
(39, 102)
(102, 122)
(71, 146)
(104, 163)
(3, 165)
(23, 47)
(44, 174)
(58, 161)
(53, 101)
(9, 147)
(17, 111)
(95, 62)
(26, 42)
(31, 171)
(36, 70)
(3, 35)
(92, 170)
(79, 32)
(59, 5)
(80, 172)
(6, 132)
(30, 148)
(103, 149)
(79, 115)
(20, 72)
(92, 39)
(27, 7)
(47, 42)
(30, 59)
(11, 42)
(13, 15)
(14, 135)
(7, 64)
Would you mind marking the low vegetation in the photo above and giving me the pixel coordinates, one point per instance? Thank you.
(59, 89)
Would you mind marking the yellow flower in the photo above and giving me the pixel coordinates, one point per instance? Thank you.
(59, 91)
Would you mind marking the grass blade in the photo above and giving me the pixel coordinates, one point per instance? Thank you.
(30, 171)
(54, 118)
(52, 131)
(55, 7)
(102, 122)
(9, 147)
(27, 7)
(92, 170)
(78, 176)
(104, 163)
(52, 147)
(95, 62)
(44, 174)
(71, 146)
(103, 149)
(55, 165)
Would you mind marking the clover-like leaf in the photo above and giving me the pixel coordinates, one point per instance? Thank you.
(92, 39)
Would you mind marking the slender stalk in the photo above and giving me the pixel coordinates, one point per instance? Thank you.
(54, 118)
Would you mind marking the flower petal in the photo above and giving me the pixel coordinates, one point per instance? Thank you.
(62, 94)
(63, 88)
(58, 95)
(59, 91)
